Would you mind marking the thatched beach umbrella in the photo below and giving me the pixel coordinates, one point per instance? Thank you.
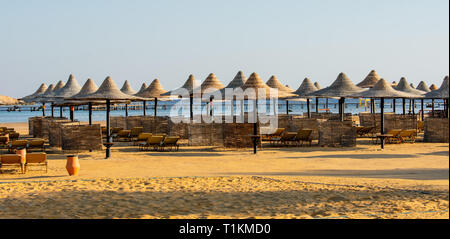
(370, 81)
(108, 91)
(44, 97)
(423, 87)
(405, 87)
(49, 97)
(273, 82)
(143, 87)
(210, 85)
(342, 87)
(237, 82)
(382, 90)
(88, 88)
(262, 91)
(70, 89)
(441, 93)
(155, 90)
(306, 88)
(126, 88)
(39, 92)
(188, 86)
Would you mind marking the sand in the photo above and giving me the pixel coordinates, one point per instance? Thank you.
(403, 181)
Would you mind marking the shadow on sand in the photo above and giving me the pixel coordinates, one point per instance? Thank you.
(413, 174)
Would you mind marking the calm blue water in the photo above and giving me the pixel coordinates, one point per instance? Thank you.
(164, 108)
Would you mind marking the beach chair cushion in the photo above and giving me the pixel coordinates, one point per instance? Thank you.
(10, 159)
(19, 144)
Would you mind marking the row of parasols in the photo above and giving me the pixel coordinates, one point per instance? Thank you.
(374, 87)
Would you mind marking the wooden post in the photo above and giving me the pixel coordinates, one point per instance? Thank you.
(90, 112)
(108, 128)
(144, 108)
(382, 121)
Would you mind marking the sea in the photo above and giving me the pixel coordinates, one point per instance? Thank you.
(10, 114)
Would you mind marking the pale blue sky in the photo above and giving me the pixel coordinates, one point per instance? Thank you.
(139, 40)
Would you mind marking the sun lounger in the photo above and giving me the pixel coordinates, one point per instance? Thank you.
(134, 133)
(18, 144)
(115, 131)
(394, 139)
(285, 138)
(36, 159)
(304, 135)
(122, 135)
(267, 137)
(36, 144)
(364, 130)
(171, 141)
(154, 142)
(408, 136)
(12, 160)
(142, 138)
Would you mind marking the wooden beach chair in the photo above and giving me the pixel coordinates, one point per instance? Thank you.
(171, 141)
(304, 135)
(408, 136)
(362, 131)
(122, 135)
(12, 161)
(115, 131)
(154, 142)
(278, 132)
(135, 132)
(36, 160)
(18, 144)
(142, 138)
(36, 144)
(395, 136)
(285, 138)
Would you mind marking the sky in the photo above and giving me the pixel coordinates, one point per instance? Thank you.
(140, 40)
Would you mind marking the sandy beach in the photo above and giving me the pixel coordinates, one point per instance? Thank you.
(403, 181)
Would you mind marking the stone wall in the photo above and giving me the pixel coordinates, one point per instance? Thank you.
(337, 134)
(80, 137)
(436, 130)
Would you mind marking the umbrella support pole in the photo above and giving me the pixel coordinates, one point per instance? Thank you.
(90, 113)
(308, 108)
(144, 108)
(382, 121)
(126, 110)
(108, 129)
(156, 107)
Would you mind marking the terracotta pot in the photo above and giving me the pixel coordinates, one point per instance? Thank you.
(73, 165)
